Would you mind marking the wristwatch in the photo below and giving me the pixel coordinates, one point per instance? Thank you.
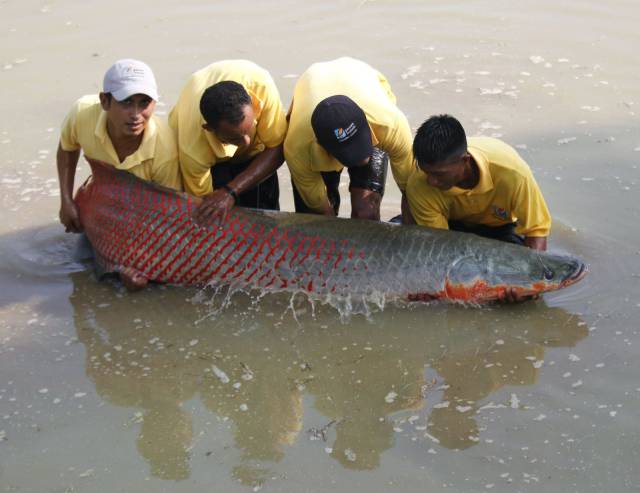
(231, 192)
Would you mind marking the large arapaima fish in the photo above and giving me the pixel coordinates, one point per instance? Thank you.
(147, 229)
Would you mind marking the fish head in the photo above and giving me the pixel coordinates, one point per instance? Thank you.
(510, 268)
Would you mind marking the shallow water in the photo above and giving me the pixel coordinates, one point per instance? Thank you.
(181, 390)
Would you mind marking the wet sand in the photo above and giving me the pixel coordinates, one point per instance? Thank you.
(180, 390)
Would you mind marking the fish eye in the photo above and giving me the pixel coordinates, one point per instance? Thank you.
(548, 274)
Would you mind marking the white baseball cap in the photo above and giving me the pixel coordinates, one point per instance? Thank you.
(127, 77)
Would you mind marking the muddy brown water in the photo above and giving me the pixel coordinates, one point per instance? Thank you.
(181, 390)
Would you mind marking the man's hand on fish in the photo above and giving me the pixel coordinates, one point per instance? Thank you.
(511, 296)
(214, 207)
(70, 218)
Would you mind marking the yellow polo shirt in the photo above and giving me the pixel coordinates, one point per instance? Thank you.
(199, 150)
(507, 192)
(371, 91)
(156, 160)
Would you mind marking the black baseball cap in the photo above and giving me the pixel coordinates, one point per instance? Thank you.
(341, 128)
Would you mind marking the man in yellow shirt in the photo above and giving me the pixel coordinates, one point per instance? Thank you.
(117, 127)
(230, 126)
(482, 186)
(344, 114)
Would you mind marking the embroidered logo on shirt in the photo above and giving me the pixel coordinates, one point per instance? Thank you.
(343, 134)
(500, 212)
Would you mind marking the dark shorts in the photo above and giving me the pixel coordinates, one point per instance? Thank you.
(370, 177)
(265, 195)
(505, 233)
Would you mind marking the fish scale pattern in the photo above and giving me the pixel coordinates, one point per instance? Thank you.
(135, 224)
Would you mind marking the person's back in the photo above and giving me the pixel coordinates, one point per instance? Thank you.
(230, 127)
(359, 90)
(345, 76)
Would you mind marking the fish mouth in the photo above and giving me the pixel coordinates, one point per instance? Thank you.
(576, 275)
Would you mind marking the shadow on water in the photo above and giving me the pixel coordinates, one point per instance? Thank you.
(428, 368)
(42, 257)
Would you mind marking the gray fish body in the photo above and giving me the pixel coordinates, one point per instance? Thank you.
(136, 226)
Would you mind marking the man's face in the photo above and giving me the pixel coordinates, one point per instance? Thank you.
(446, 174)
(237, 135)
(130, 116)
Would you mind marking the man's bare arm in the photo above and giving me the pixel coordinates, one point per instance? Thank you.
(405, 210)
(67, 162)
(536, 242)
(218, 204)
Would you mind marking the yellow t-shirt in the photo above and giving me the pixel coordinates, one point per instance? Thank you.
(199, 149)
(507, 192)
(156, 160)
(371, 91)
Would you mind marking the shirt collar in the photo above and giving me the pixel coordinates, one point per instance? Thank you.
(219, 149)
(145, 151)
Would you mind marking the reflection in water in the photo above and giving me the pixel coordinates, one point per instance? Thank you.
(164, 440)
(131, 368)
(507, 350)
(426, 370)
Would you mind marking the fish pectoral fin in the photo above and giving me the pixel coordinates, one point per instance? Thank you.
(131, 278)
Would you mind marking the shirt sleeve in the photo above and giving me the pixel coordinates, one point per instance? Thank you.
(309, 184)
(196, 177)
(426, 207)
(531, 209)
(398, 145)
(272, 124)
(195, 174)
(68, 134)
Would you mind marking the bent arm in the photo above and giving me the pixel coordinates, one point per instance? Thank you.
(262, 166)
(534, 219)
(405, 210)
(424, 205)
(217, 205)
(536, 242)
(67, 162)
(310, 186)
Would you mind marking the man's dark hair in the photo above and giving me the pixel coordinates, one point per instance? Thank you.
(439, 138)
(224, 101)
